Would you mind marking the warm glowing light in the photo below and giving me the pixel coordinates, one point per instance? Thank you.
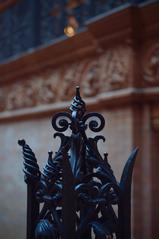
(69, 31)
(71, 27)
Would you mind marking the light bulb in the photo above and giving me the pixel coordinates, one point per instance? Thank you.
(69, 31)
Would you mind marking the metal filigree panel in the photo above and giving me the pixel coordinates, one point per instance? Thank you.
(75, 195)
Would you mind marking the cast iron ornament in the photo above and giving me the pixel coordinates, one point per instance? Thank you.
(75, 195)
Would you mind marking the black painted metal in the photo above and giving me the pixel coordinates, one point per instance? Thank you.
(75, 195)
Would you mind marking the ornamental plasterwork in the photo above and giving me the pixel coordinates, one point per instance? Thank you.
(108, 71)
(151, 65)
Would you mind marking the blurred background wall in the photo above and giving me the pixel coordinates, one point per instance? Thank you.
(111, 50)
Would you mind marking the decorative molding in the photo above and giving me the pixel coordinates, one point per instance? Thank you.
(107, 100)
(110, 71)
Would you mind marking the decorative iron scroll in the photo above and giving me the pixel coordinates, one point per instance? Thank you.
(75, 195)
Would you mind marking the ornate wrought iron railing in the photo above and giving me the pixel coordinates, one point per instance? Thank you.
(75, 195)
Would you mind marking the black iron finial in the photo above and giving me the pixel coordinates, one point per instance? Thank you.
(77, 188)
(78, 105)
(50, 153)
(21, 142)
(78, 92)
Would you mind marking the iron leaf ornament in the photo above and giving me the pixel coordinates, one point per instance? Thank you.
(77, 195)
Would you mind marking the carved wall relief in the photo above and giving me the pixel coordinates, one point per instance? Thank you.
(47, 91)
(151, 65)
(40, 89)
(108, 71)
(91, 81)
(117, 64)
(69, 80)
(19, 96)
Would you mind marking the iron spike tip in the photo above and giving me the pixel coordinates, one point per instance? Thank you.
(21, 142)
(78, 92)
(50, 153)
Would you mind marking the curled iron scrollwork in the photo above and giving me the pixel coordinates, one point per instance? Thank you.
(61, 121)
(97, 123)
